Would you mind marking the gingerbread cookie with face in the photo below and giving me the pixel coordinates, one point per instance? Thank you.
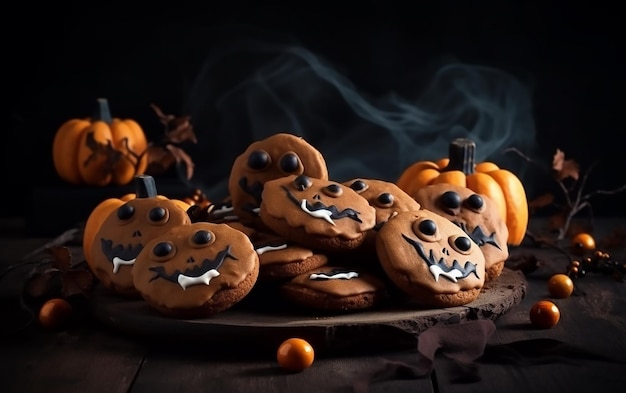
(476, 214)
(279, 155)
(281, 259)
(430, 259)
(316, 213)
(335, 289)
(387, 198)
(196, 270)
(125, 232)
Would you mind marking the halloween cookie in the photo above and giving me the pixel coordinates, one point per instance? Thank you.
(281, 259)
(387, 198)
(279, 155)
(430, 259)
(476, 214)
(126, 230)
(335, 289)
(316, 213)
(196, 270)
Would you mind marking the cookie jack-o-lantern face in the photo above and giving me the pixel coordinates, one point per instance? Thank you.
(476, 214)
(425, 250)
(187, 266)
(125, 232)
(321, 207)
(276, 156)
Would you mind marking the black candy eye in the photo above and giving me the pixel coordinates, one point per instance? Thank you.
(125, 212)
(384, 200)
(259, 159)
(358, 186)
(157, 214)
(302, 182)
(451, 200)
(428, 227)
(333, 190)
(290, 163)
(202, 237)
(162, 249)
(475, 202)
(462, 244)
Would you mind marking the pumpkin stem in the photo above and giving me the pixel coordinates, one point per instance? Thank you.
(461, 154)
(103, 113)
(145, 186)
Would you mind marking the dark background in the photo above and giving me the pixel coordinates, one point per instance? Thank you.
(566, 58)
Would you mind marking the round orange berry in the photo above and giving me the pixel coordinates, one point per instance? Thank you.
(544, 314)
(55, 313)
(295, 354)
(560, 286)
(583, 242)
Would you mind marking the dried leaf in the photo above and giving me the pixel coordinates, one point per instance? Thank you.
(61, 257)
(564, 168)
(180, 155)
(180, 131)
(159, 160)
(37, 284)
(76, 282)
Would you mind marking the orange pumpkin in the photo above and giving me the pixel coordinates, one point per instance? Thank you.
(101, 150)
(460, 168)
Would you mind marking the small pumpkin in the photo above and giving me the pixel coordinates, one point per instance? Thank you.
(460, 168)
(101, 150)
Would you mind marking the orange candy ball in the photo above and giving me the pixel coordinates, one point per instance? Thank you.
(295, 354)
(560, 286)
(55, 313)
(544, 314)
(583, 242)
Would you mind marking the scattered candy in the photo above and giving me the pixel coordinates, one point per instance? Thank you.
(583, 242)
(295, 354)
(560, 286)
(544, 314)
(54, 313)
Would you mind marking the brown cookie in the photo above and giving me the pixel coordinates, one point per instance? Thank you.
(282, 259)
(387, 198)
(430, 259)
(274, 157)
(476, 214)
(125, 232)
(335, 289)
(196, 270)
(316, 213)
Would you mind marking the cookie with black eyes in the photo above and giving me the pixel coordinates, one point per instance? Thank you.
(476, 214)
(335, 289)
(279, 155)
(316, 213)
(387, 198)
(126, 230)
(430, 260)
(196, 270)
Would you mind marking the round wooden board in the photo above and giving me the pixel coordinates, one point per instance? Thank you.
(248, 322)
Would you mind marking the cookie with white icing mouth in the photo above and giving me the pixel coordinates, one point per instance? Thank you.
(476, 214)
(278, 155)
(430, 259)
(196, 270)
(335, 289)
(316, 213)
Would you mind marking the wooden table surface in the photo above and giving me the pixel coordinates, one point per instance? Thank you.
(584, 352)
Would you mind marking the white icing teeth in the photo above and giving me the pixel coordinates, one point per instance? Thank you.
(117, 262)
(186, 281)
(262, 250)
(453, 274)
(322, 213)
(338, 276)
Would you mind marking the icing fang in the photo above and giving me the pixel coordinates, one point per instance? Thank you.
(334, 275)
(196, 275)
(119, 255)
(479, 237)
(440, 268)
(320, 210)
